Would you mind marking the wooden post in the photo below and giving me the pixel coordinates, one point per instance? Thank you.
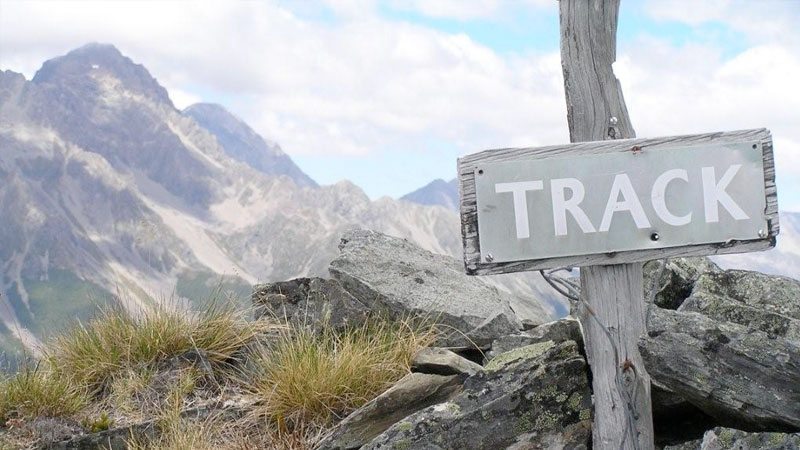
(614, 315)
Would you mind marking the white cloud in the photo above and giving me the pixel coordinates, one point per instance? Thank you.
(362, 84)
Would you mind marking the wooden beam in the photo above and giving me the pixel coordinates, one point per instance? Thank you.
(612, 316)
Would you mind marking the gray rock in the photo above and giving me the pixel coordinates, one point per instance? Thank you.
(537, 398)
(557, 331)
(762, 302)
(739, 376)
(728, 438)
(674, 419)
(395, 277)
(409, 395)
(677, 280)
(441, 361)
(313, 302)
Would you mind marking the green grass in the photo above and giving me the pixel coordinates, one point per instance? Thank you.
(57, 303)
(35, 391)
(308, 378)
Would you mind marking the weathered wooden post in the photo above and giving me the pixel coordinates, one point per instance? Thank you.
(613, 294)
(608, 202)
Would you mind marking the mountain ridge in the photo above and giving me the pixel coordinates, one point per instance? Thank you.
(106, 183)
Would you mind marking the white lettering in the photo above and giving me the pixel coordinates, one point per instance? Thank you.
(562, 205)
(658, 197)
(622, 185)
(520, 202)
(714, 194)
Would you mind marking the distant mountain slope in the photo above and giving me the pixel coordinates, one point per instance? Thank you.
(437, 192)
(109, 192)
(243, 144)
(784, 259)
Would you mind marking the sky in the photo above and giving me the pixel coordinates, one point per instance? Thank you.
(388, 94)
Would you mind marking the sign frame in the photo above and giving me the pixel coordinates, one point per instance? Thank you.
(467, 166)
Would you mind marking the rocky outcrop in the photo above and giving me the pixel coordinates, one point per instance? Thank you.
(537, 398)
(727, 438)
(312, 302)
(411, 394)
(394, 277)
(677, 280)
(761, 302)
(740, 376)
(557, 331)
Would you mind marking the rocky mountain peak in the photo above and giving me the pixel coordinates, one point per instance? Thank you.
(243, 144)
(76, 67)
(437, 192)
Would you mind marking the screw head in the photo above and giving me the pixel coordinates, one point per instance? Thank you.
(613, 120)
(762, 233)
(489, 257)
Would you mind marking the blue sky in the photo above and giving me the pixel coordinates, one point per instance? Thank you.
(389, 93)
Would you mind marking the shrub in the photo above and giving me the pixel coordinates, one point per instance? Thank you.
(308, 377)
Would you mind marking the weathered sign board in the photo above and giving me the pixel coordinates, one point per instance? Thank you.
(618, 201)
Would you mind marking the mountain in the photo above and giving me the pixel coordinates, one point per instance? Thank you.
(784, 259)
(243, 144)
(437, 192)
(108, 193)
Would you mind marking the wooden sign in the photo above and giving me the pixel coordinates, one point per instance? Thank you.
(618, 201)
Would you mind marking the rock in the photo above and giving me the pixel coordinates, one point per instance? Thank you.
(674, 419)
(557, 331)
(739, 376)
(312, 302)
(409, 395)
(441, 361)
(677, 280)
(397, 278)
(727, 438)
(539, 398)
(762, 302)
(118, 438)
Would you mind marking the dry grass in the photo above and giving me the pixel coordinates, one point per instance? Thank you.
(37, 392)
(117, 341)
(121, 369)
(310, 379)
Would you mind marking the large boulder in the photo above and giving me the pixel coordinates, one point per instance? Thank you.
(395, 277)
(761, 302)
(727, 438)
(312, 302)
(737, 375)
(536, 398)
(677, 279)
(557, 331)
(409, 395)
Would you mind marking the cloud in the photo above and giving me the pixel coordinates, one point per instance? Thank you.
(343, 79)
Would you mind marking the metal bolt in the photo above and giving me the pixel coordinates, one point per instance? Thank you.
(489, 257)
(762, 233)
(654, 237)
(613, 120)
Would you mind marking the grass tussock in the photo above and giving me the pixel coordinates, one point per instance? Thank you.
(293, 383)
(308, 378)
(117, 341)
(35, 391)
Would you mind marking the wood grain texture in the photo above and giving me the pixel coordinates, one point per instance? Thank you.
(611, 330)
(469, 217)
(612, 311)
